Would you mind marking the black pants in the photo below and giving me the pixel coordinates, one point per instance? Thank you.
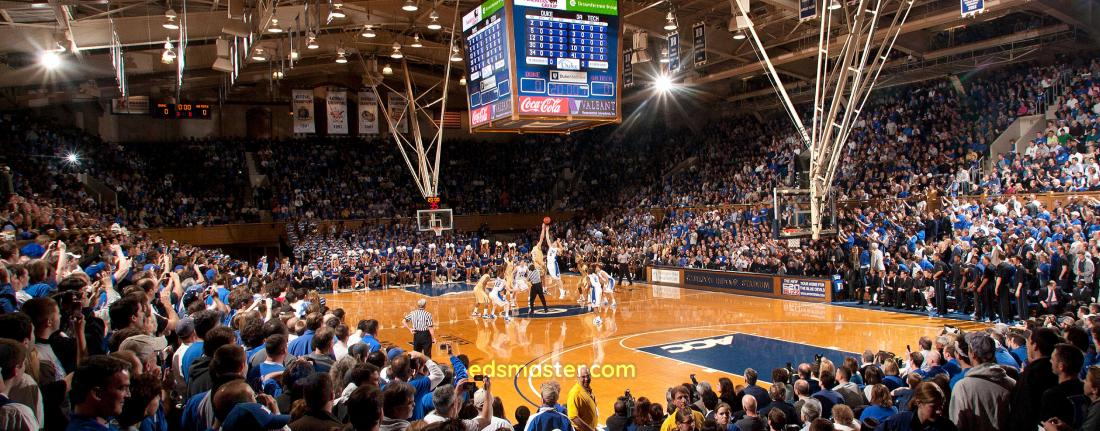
(1004, 303)
(962, 300)
(1022, 304)
(422, 342)
(941, 297)
(536, 290)
(989, 302)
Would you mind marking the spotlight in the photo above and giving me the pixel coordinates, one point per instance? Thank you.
(311, 41)
(387, 70)
(72, 159)
(259, 55)
(49, 59)
(396, 55)
(170, 20)
(410, 6)
(274, 28)
(416, 41)
(368, 32)
(456, 54)
(337, 11)
(834, 5)
(663, 84)
(340, 58)
(169, 54)
(670, 22)
(739, 35)
(434, 24)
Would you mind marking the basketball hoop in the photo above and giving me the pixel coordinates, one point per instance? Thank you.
(438, 230)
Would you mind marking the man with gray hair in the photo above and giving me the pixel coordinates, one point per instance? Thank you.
(548, 418)
(443, 398)
(980, 401)
(811, 409)
(419, 322)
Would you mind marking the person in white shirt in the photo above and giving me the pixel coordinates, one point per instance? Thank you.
(444, 397)
(185, 329)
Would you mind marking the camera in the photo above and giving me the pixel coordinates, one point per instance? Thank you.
(628, 401)
(817, 358)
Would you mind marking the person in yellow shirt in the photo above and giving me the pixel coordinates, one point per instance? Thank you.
(681, 399)
(581, 403)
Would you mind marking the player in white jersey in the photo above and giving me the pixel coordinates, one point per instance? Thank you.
(552, 269)
(499, 297)
(595, 288)
(608, 283)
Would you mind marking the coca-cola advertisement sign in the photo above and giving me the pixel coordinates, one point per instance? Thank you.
(543, 105)
(479, 116)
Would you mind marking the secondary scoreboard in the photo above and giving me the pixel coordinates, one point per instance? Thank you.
(543, 65)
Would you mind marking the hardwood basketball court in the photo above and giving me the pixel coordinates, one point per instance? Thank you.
(657, 337)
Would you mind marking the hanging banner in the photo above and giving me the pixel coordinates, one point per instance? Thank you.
(302, 104)
(398, 106)
(674, 52)
(368, 113)
(807, 10)
(336, 102)
(972, 7)
(699, 43)
(628, 71)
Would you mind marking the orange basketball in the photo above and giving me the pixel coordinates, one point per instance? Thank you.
(546, 220)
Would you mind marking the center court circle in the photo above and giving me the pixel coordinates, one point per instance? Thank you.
(552, 311)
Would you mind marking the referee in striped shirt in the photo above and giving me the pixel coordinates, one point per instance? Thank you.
(534, 278)
(420, 324)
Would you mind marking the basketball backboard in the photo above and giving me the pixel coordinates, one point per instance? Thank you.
(437, 220)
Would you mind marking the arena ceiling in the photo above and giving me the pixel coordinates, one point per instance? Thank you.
(935, 41)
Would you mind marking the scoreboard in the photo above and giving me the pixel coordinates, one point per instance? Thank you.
(543, 65)
(200, 111)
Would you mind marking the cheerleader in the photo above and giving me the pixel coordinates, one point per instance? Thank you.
(481, 297)
(519, 283)
(583, 285)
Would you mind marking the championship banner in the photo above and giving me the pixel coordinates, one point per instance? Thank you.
(336, 103)
(699, 43)
(971, 7)
(368, 113)
(399, 107)
(674, 52)
(807, 10)
(628, 71)
(302, 103)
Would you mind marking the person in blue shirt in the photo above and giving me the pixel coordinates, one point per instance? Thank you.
(881, 407)
(303, 345)
(110, 379)
(548, 418)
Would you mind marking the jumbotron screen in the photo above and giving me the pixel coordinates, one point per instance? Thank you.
(488, 71)
(547, 66)
(567, 57)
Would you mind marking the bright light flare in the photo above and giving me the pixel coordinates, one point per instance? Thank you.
(72, 159)
(49, 60)
(663, 84)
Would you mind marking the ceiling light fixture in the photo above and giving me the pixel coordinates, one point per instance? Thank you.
(416, 41)
(396, 55)
(49, 59)
(340, 58)
(311, 41)
(739, 35)
(293, 54)
(259, 55)
(670, 22)
(368, 32)
(387, 70)
(410, 6)
(462, 80)
(337, 11)
(278, 74)
(834, 5)
(169, 54)
(456, 54)
(170, 20)
(274, 27)
(434, 24)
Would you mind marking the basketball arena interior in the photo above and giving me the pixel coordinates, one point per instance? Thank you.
(549, 215)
